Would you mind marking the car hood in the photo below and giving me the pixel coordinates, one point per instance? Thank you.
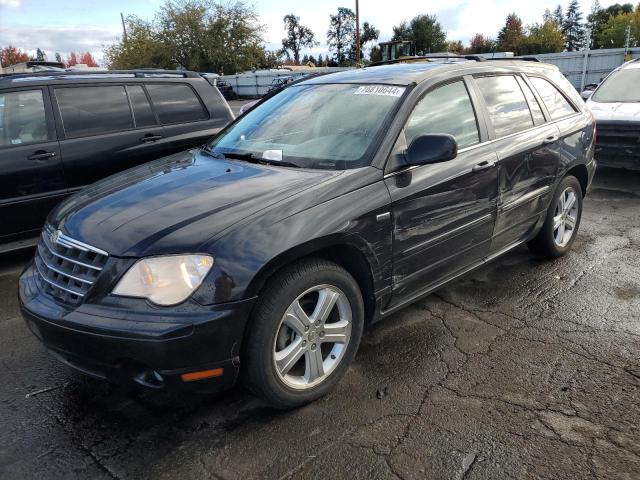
(177, 203)
(617, 111)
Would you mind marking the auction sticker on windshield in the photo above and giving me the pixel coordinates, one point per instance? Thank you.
(385, 90)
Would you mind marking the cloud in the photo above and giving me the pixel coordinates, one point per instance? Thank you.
(61, 38)
(10, 3)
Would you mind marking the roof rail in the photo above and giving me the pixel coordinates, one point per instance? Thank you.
(137, 73)
(451, 56)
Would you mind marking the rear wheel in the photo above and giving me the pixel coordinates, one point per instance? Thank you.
(560, 228)
(304, 334)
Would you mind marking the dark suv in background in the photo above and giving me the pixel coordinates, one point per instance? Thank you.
(330, 205)
(60, 131)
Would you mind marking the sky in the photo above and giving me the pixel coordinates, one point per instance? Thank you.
(84, 25)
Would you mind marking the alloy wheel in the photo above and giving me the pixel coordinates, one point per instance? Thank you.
(312, 337)
(565, 217)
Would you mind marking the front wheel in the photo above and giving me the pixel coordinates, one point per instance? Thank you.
(560, 228)
(304, 333)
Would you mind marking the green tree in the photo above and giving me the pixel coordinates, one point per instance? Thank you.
(368, 34)
(427, 34)
(342, 27)
(598, 18)
(402, 32)
(40, 55)
(298, 37)
(558, 15)
(320, 62)
(195, 35)
(58, 57)
(375, 54)
(542, 38)
(573, 27)
(481, 44)
(511, 34)
(614, 31)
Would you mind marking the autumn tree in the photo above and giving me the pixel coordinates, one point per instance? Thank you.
(72, 59)
(456, 47)
(342, 27)
(511, 34)
(481, 44)
(298, 37)
(573, 28)
(87, 59)
(11, 56)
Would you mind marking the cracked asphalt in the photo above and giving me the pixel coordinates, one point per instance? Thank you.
(523, 369)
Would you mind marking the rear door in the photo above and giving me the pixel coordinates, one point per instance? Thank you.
(528, 151)
(443, 214)
(106, 128)
(31, 176)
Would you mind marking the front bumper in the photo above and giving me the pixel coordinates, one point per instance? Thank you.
(152, 348)
(618, 144)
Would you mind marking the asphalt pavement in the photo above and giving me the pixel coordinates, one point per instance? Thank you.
(525, 368)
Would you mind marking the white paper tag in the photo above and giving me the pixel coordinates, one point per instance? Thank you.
(275, 155)
(384, 90)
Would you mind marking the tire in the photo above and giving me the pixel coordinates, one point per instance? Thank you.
(560, 229)
(279, 332)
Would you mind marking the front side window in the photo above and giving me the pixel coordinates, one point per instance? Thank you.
(620, 86)
(446, 109)
(176, 103)
(507, 106)
(93, 110)
(556, 104)
(22, 118)
(329, 126)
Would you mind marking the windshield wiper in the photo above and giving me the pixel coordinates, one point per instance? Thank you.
(250, 157)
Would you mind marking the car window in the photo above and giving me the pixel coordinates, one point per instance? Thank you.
(620, 86)
(142, 113)
(176, 103)
(22, 118)
(446, 109)
(534, 106)
(507, 106)
(93, 110)
(556, 104)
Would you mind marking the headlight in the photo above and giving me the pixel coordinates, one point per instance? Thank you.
(165, 280)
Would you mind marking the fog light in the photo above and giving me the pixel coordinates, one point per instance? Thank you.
(202, 374)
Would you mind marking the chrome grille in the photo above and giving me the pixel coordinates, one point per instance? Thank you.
(67, 268)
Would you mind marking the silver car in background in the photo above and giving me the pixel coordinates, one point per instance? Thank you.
(615, 105)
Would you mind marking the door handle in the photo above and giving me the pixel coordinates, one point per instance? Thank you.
(150, 138)
(41, 155)
(486, 165)
(551, 139)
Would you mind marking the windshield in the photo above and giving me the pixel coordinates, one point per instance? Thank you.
(621, 86)
(312, 126)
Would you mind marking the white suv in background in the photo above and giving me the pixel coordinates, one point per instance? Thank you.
(616, 107)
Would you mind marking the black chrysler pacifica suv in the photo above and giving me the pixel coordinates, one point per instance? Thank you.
(327, 207)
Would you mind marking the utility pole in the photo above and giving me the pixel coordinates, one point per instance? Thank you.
(357, 33)
(626, 41)
(124, 27)
(585, 60)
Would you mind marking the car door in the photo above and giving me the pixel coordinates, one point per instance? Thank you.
(107, 128)
(443, 214)
(528, 151)
(31, 178)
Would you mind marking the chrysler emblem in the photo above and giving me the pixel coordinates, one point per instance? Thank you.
(55, 236)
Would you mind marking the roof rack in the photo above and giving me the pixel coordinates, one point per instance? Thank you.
(449, 56)
(138, 73)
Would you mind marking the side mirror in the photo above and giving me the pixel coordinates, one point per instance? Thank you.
(431, 149)
(586, 94)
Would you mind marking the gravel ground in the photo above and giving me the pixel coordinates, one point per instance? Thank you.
(523, 369)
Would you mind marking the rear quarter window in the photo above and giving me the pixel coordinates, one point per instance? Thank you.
(557, 105)
(176, 103)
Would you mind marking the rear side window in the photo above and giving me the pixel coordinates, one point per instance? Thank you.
(175, 103)
(22, 118)
(534, 106)
(446, 109)
(556, 104)
(142, 113)
(93, 110)
(507, 106)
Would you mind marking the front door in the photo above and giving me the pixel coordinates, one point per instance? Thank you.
(443, 214)
(31, 179)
